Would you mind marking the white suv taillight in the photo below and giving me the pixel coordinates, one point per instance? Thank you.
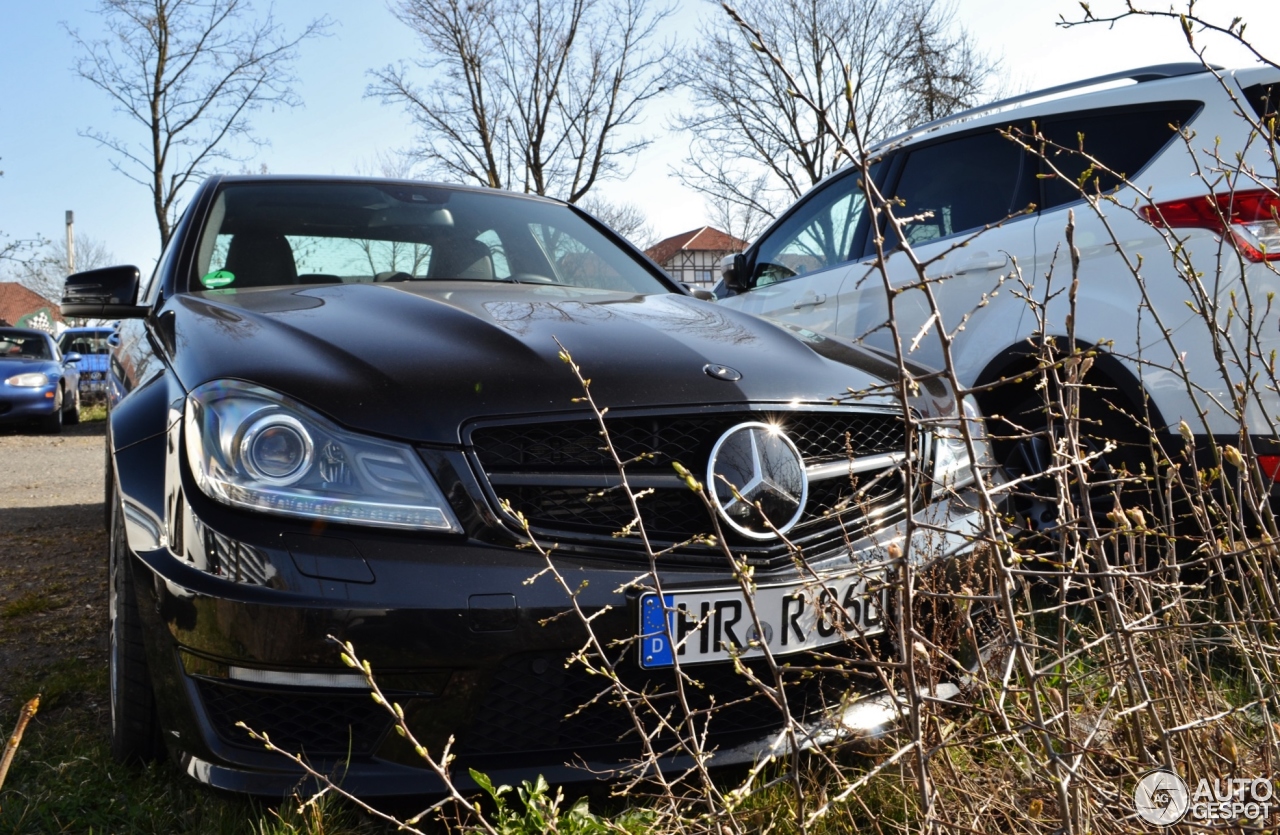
(1252, 216)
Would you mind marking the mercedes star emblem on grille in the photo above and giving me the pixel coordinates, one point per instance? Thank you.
(767, 470)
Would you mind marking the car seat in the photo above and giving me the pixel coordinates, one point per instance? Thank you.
(462, 258)
(259, 259)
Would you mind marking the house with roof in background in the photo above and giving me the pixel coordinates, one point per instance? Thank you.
(693, 257)
(22, 307)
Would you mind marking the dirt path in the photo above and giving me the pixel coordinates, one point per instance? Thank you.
(53, 589)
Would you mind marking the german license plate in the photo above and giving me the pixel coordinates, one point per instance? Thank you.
(702, 625)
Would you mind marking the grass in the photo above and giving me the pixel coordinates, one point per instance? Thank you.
(63, 779)
(96, 411)
(30, 604)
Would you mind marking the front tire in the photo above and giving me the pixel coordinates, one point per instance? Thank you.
(135, 728)
(72, 416)
(1023, 444)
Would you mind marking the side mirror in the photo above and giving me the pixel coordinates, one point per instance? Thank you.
(733, 268)
(71, 358)
(698, 292)
(108, 292)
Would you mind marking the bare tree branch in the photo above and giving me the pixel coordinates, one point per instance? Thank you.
(627, 219)
(757, 148)
(46, 270)
(190, 73)
(533, 97)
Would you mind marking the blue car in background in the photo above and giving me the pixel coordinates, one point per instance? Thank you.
(94, 350)
(37, 381)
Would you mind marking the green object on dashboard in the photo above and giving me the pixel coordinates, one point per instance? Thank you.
(218, 278)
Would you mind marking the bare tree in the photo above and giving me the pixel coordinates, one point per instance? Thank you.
(742, 219)
(47, 269)
(756, 148)
(627, 219)
(189, 73)
(535, 96)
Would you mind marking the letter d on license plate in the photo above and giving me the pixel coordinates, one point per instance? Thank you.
(702, 625)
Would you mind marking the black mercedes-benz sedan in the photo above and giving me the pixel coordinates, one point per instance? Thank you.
(340, 407)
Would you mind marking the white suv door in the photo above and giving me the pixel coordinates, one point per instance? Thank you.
(1113, 309)
(964, 206)
(800, 266)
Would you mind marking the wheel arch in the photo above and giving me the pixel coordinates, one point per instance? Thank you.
(1108, 371)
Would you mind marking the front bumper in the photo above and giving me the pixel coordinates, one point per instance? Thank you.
(93, 383)
(471, 638)
(21, 404)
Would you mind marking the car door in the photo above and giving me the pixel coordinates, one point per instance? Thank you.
(964, 204)
(799, 265)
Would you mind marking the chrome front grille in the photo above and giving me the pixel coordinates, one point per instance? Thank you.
(559, 474)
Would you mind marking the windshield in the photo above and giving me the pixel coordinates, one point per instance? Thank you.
(273, 234)
(24, 346)
(85, 343)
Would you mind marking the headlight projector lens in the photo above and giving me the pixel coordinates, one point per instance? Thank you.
(276, 449)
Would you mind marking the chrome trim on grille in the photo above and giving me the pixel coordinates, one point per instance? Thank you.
(601, 480)
(835, 469)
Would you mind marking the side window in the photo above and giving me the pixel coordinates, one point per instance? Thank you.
(1264, 98)
(1122, 140)
(960, 185)
(818, 235)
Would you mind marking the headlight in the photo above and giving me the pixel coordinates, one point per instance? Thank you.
(952, 467)
(254, 448)
(28, 381)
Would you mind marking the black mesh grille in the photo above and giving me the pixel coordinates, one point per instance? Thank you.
(536, 704)
(313, 723)
(674, 514)
(577, 445)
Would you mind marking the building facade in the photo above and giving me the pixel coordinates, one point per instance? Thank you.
(21, 307)
(693, 257)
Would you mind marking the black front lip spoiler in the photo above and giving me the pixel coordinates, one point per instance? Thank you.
(866, 718)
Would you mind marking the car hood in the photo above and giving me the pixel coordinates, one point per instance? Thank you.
(417, 361)
(10, 366)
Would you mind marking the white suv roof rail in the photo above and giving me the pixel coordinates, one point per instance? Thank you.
(1155, 72)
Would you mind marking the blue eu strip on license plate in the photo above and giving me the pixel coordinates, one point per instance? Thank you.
(704, 625)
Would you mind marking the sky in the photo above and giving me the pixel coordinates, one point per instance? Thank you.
(49, 167)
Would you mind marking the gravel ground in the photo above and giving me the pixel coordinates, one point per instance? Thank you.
(53, 589)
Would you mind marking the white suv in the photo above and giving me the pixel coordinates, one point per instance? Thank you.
(1184, 154)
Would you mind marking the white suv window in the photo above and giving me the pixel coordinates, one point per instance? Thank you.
(817, 236)
(961, 184)
(1124, 141)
